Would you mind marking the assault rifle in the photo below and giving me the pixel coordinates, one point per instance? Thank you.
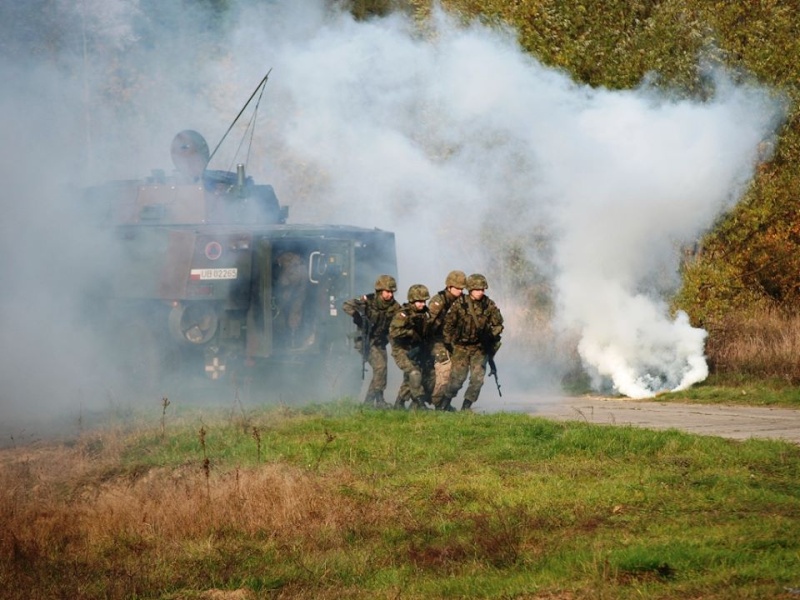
(493, 372)
(490, 346)
(366, 329)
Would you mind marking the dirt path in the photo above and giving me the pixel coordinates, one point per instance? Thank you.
(734, 422)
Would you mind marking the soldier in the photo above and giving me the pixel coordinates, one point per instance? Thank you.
(472, 330)
(454, 283)
(293, 327)
(373, 313)
(411, 350)
(189, 152)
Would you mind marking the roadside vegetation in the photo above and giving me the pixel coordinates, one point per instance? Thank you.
(738, 390)
(336, 501)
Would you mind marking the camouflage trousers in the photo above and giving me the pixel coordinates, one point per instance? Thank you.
(467, 361)
(418, 376)
(378, 362)
(441, 367)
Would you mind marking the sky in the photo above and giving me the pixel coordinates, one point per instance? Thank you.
(458, 141)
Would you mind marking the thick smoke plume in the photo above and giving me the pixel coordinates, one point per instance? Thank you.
(636, 178)
(454, 138)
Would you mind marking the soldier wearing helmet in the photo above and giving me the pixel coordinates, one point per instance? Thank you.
(410, 337)
(189, 152)
(472, 329)
(454, 285)
(293, 318)
(372, 314)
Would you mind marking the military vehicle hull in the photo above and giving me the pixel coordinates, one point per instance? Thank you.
(207, 281)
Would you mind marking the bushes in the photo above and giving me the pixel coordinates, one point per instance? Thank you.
(764, 345)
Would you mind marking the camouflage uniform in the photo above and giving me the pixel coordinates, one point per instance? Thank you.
(472, 329)
(439, 305)
(409, 334)
(379, 313)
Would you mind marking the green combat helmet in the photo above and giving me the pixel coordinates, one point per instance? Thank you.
(456, 279)
(385, 282)
(418, 293)
(189, 152)
(476, 281)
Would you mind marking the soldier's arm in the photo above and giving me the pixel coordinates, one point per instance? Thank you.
(495, 326)
(351, 306)
(399, 327)
(435, 307)
(450, 324)
(355, 308)
(495, 321)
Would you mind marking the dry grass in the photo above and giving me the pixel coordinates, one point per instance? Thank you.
(431, 506)
(764, 345)
(74, 508)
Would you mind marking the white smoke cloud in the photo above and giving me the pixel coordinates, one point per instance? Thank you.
(435, 136)
(439, 135)
(638, 177)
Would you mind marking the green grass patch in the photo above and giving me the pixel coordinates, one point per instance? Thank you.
(739, 390)
(337, 501)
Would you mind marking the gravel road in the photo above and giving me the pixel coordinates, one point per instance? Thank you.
(734, 422)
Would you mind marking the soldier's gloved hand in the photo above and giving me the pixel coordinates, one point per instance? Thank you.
(357, 319)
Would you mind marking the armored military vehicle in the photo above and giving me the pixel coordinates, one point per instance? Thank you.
(208, 278)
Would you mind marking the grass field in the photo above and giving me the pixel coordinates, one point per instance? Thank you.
(739, 390)
(335, 501)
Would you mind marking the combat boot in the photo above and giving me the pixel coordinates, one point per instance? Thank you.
(380, 402)
(399, 404)
(466, 406)
(444, 405)
(418, 404)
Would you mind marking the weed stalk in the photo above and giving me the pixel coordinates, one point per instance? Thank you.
(164, 405)
(328, 440)
(257, 437)
(206, 463)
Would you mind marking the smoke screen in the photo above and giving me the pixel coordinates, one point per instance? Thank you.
(454, 138)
